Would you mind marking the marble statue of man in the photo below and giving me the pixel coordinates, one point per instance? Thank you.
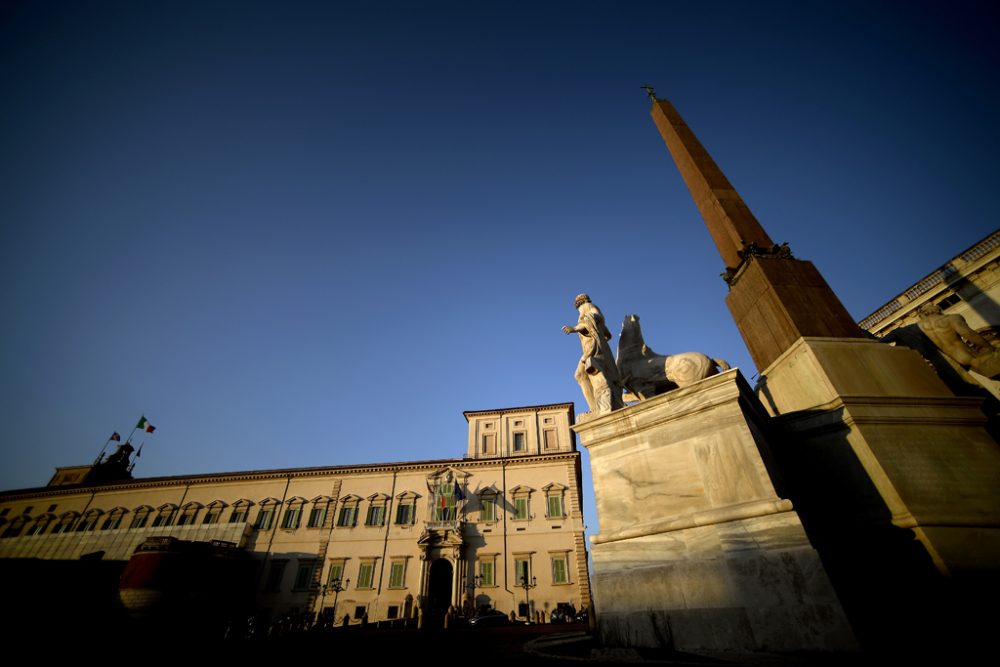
(954, 337)
(596, 373)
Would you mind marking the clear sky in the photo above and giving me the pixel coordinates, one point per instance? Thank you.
(303, 234)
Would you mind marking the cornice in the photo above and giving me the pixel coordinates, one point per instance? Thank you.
(284, 473)
(526, 408)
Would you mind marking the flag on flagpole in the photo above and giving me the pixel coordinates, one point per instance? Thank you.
(145, 425)
(115, 437)
(458, 491)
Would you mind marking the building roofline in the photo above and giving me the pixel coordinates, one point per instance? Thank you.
(943, 274)
(525, 408)
(246, 475)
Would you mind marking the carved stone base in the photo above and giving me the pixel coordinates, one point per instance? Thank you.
(697, 549)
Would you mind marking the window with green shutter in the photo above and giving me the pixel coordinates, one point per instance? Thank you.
(560, 572)
(397, 575)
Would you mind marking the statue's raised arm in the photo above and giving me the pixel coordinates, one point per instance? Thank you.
(596, 373)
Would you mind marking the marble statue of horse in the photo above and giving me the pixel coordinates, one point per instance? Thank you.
(646, 373)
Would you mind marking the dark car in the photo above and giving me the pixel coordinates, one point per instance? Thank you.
(488, 619)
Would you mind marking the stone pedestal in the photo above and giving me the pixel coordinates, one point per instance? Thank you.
(697, 549)
(880, 409)
(897, 482)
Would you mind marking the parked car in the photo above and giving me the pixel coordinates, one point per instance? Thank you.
(488, 619)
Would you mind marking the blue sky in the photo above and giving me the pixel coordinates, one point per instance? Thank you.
(301, 234)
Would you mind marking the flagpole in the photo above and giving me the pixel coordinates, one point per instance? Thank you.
(99, 456)
(137, 453)
(136, 427)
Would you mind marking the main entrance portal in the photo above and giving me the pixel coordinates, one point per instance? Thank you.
(438, 592)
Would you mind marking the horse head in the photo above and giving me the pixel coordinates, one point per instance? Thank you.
(631, 335)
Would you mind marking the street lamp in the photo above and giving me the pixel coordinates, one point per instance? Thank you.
(336, 585)
(527, 586)
(477, 582)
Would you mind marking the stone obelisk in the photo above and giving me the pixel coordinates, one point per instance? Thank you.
(774, 302)
(895, 478)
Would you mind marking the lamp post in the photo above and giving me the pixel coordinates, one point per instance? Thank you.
(322, 601)
(527, 586)
(336, 585)
(477, 581)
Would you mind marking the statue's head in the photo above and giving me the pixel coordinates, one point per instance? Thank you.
(929, 309)
(580, 300)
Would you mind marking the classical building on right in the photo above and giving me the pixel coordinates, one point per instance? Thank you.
(967, 285)
(965, 289)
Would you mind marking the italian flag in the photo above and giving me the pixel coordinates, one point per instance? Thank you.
(145, 425)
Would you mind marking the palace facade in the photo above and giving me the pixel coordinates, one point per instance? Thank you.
(501, 527)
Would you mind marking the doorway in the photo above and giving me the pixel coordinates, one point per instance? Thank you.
(439, 592)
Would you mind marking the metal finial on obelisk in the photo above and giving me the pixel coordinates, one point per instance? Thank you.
(649, 91)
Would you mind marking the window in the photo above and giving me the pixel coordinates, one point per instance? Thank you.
(304, 576)
(522, 570)
(392, 611)
(240, 514)
(141, 517)
(365, 572)
(292, 518)
(360, 612)
(275, 575)
(487, 507)
(549, 438)
(519, 442)
(40, 525)
(347, 516)
(486, 572)
(560, 569)
(65, 524)
(189, 514)
(164, 516)
(397, 574)
(214, 513)
(317, 515)
(336, 572)
(555, 505)
(405, 513)
(376, 513)
(15, 527)
(445, 496)
(88, 522)
(489, 443)
(264, 518)
(521, 508)
(114, 519)
(521, 502)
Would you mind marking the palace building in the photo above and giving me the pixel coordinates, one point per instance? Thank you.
(501, 527)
